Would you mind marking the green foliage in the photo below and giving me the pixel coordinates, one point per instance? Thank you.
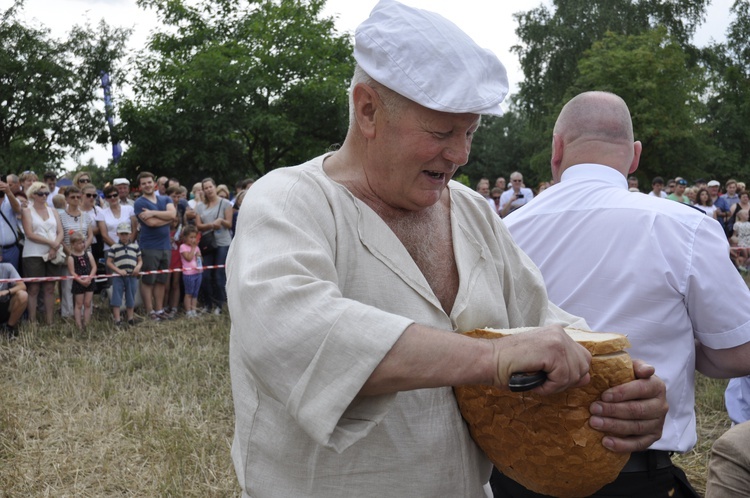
(235, 89)
(503, 145)
(552, 42)
(650, 72)
(48, 89)
(728, 106)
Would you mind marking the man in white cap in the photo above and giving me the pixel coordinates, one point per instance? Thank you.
(350, 275)
(123, 189)
(656, 271)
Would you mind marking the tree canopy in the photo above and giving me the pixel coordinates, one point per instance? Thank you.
(48, 88)
(237, 88)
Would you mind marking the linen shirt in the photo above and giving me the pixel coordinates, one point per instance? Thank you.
(634, 264)
(319, 290)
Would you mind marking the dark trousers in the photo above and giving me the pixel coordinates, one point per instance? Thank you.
(670, 482)
(214, 283)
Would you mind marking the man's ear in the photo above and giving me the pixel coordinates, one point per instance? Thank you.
(366, 102)
(637, 148)
(557, 156)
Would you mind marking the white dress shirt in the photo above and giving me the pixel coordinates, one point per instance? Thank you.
(657, 271)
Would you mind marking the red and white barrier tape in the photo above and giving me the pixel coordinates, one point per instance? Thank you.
(97, 277)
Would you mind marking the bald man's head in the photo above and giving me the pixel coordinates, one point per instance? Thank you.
(595, 116)
(595, 127)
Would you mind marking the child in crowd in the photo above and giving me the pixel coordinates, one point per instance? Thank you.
(742, 232)
(124, 259)
(82, 268)
(192, 269)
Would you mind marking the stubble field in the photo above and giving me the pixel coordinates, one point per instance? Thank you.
(147, 411)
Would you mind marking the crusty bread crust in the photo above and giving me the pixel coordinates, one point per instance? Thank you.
(545, 442)
(595, 342)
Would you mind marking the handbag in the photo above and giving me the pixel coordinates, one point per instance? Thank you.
(59, 259)
(207, 244)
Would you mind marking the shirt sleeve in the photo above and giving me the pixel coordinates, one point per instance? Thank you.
(301, 341)
(713, 289)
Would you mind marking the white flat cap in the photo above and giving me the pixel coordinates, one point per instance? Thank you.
(120, 181)
(429, 60)
(713, 183)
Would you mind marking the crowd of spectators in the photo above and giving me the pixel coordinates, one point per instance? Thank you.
(143, 219)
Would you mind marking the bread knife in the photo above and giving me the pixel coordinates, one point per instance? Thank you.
(526, 381)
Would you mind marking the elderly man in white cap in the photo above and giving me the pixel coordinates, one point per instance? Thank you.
(123, 189)
(350, 275)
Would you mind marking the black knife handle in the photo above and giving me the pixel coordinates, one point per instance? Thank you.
(526, 381)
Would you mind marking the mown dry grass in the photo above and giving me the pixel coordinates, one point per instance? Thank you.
(147, 411)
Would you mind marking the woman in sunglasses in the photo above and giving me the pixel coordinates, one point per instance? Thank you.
(81, 179)
(44, 236)
(108, 220)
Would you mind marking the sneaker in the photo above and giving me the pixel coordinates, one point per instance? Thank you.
(131, 322)
(192, 314)
(204, 310)
(164, 315)
(155, 317)
(118, 324)
(217, 311)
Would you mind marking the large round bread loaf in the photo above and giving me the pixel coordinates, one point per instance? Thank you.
(545, 443)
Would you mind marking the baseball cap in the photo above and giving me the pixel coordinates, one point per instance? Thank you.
(713, 183)
(682, 181)
(120, 181)
(429, 60)
(123, 228)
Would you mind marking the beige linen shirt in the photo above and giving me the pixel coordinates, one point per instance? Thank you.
(319, 291)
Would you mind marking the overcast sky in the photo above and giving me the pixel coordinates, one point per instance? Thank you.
(489, 22)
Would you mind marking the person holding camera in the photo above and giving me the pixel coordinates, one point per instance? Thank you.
(13, 299)
(516, 196)
(10, 208)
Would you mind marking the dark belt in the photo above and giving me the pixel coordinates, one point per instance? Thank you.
(643, 461)
(9, 246)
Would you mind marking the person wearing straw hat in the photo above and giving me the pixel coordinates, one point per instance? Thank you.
(349, 275)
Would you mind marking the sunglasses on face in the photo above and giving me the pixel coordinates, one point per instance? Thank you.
(84, 180)
(90, 195)
(41, 194)
(113, 196)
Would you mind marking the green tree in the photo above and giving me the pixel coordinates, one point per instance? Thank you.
(235, 89)
(501, 146)
(553, 41)
(728, 107)
(650, 72)
(48, 90)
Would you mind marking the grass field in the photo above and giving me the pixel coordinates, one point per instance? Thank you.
(147, 411)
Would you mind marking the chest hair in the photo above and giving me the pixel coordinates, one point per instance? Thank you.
(427, 237)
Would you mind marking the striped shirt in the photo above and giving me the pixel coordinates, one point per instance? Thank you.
(70, 223)
(125, 256)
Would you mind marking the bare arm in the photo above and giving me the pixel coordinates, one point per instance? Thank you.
(723, 363)
(424, 357)
(104, 233)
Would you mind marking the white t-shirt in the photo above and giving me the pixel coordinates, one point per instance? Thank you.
(109, 219)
